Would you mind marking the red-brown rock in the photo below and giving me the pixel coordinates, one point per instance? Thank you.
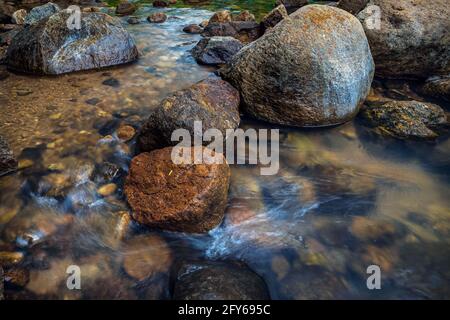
(177, 197)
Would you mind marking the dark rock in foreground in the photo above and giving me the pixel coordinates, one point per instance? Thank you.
(178, 197)
(208, 280)
(413, 40)
(40, 13)
(49, 47)
(216, 50)
(212, 101)
(313, 69)
(405, 119)
(244, 31)
(7, 161)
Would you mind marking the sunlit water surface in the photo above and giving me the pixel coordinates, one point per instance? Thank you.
(342, 200)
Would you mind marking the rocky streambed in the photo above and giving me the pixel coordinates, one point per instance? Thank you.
(86, 177)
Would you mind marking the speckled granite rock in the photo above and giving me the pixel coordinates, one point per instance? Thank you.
(273, 17)
(40, 13)
(312, 69)
(414, 38)
(438, 88)
(405, 119)
(244, 31)
(49, 47)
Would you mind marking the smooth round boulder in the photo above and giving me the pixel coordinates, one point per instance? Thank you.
(313, 69)
(178, 197)
(216, 280)
(50, 47)
(216, 50)
(212, 101)
(412, 39)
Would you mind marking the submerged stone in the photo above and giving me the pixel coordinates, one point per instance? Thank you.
(405, 119)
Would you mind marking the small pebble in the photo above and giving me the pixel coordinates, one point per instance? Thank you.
(25, 163)
(112, 82)
(107, 189)
(126, 133)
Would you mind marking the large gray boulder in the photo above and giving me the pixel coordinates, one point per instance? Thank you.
(313, 69)
(40, 13)
(7, 161)
(413, 40)
(50, 47)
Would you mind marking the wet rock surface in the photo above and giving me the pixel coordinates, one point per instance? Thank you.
(55, 49)
(8, 163)
(413, 40)
(244, 31)
(158, 17)
(282, 77)
(193, 28)
(405, 119)
(40, 13)
(183, 197)
(216, 50)
(218, 281)
(212, 101)
(125, 8)
(438, 88)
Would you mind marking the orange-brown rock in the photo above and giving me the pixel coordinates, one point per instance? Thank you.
(177, 197)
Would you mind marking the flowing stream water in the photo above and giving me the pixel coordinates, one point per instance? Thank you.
(341, 201)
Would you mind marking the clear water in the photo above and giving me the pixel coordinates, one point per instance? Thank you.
(342, 200)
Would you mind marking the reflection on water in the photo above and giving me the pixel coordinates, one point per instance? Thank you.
(341, 201)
